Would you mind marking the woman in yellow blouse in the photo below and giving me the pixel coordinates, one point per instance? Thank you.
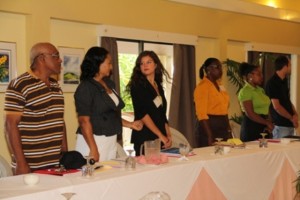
(211, 102)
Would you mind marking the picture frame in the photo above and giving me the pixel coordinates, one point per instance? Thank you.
(70, 72)
(8, 64)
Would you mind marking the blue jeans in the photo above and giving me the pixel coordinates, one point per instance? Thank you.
(282, 131)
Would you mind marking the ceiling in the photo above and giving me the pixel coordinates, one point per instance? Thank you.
(282, 4)
(278, 9)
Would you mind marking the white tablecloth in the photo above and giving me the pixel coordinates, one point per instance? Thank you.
(249, 173)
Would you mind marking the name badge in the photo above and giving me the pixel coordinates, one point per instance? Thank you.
(157, 101)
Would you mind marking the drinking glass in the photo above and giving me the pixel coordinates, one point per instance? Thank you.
(88, 169)
(218, 147)
(157, 195)
(130, 161)
(263, 142)
(68, 195)
(184, 151)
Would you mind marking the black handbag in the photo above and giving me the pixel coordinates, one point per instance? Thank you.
(72, 160)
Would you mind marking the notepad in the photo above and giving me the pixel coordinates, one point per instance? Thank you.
(56, 171)
(174, 152)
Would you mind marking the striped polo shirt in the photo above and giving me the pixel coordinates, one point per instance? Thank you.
(42, 123)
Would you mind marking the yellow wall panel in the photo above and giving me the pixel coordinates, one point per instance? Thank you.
(74, 24)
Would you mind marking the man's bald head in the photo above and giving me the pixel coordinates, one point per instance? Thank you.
(39, 49)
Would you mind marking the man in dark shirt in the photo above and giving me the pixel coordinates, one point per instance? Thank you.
(283, 112)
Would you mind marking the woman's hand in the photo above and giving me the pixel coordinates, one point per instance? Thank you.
(295, 120)
(169, 138)
(270, 126)
(169, 143)
(210, 141)
(137, 125)
(166, 141)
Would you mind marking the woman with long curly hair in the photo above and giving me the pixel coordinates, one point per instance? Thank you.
(149, 101)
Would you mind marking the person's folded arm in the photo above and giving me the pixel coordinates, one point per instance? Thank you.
(135, 125)
(249, 111)
(148, 122)
(14, 139)
(295, 117)
(281, 110)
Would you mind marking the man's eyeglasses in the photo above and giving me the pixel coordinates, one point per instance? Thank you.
(56, 56)
(53, 55)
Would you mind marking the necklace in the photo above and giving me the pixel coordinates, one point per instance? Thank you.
(155, 86)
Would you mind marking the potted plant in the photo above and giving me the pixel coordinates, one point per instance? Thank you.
(236, 80)
(233, 74)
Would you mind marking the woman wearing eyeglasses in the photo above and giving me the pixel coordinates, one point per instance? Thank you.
(211, 102)
(149, 101)
(254, 104)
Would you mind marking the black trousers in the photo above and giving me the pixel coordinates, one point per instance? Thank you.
(251, 130)
(219, 127)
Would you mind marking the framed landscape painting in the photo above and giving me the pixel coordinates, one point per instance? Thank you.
(7, 63)
(70, 73)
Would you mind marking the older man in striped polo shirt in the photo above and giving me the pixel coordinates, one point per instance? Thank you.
(34, 113)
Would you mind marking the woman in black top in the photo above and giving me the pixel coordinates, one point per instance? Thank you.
(99, 107)
(149, 101)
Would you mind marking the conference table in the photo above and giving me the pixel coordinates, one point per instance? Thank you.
(251, 173)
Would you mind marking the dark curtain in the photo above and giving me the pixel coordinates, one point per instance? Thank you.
(110, 44)
(182, 111)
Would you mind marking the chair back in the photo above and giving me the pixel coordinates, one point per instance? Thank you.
(178, 138)
(120, 151)
(126, 132)
(5, 168)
